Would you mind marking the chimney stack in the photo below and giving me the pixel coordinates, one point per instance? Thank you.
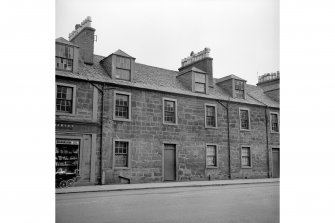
(83, 36)
(269, 82)
(200, 60)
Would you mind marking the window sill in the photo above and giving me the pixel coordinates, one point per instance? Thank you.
(64, 113)
(245, 130)
(246, 167)
(121, 120)
(274, 132)
(209, 127)
(164, 123)
(212, 167)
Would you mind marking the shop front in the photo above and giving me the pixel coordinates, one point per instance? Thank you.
(75, 155)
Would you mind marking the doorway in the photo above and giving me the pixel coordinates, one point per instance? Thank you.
(275, 163)
(169, 162)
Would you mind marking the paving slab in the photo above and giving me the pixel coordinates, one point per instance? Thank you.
(142, 186)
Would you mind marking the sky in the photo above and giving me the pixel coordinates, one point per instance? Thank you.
(243, 35)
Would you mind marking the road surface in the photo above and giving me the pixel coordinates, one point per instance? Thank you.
(251, 203)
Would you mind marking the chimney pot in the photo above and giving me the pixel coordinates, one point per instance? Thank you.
(77, 26)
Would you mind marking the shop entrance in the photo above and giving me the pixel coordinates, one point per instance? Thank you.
(169, 162)
(275, 163)
(67, 162)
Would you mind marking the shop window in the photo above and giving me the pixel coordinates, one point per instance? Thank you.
(65, 98)
(210, 118)
(121, 154)
(211, 156)
(64, 57)
(122, 106)
(245, 157)
(239, 89)
(123, 68)
(274, 122)
(200, 83)
(170, 112)
(67, 156)
(244, 119)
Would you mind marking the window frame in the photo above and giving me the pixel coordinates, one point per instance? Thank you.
(197, 82)
(216, 156)
(128, 157)
(250, 156)
(175, 114)
(249, 116)
(65, 57)
(74, 90)
(115, 118)
(235, 90)
(274, 113)
(216, 116)
(122, 68)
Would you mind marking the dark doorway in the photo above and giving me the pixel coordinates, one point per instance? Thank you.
(275, 163)
(169, 162)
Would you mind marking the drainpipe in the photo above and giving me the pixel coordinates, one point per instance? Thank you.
(228, 132)
(101, 141)
(267, 138)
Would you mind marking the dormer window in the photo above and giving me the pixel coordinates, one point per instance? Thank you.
(239, 89)
(122, 68)
(200, 83)
(64, 57)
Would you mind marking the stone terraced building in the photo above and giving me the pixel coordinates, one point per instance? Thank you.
(118, 121)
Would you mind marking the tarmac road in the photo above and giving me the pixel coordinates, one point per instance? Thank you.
(251, 203)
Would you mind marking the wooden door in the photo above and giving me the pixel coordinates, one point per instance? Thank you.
(169, 162)
(275, 163)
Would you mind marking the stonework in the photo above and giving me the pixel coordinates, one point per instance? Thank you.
(145, 134)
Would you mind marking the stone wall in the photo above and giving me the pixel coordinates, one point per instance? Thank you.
(147, 135)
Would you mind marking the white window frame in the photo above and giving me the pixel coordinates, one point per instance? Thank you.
(129, 149)
(74, 87)
(249, 117)
(250, 153)
(216, 157)
(216, 116)
(274, 113)
(129, 107)
(176, 111)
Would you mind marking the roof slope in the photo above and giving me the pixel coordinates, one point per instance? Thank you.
(64, 41)
(159, 79)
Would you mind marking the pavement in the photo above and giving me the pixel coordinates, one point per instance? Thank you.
(142, 186)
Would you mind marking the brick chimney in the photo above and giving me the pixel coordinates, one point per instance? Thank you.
(200, 60)
(83, 36)
(270, 85)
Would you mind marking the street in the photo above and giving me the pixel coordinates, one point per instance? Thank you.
(250, 203)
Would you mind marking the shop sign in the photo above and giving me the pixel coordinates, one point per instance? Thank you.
(67, 142)
(64, 126)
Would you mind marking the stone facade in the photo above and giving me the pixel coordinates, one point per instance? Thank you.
(145, 132)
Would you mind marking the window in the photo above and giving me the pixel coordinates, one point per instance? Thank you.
(245, 157)
(210, 119)
(122, 106)
(65, 95)
(64, 57)
(244, 119)
(239, 89)
(123, 68)
(211, 156)
(121, 154)
(274, 122)
(200, 83)
(170, 112)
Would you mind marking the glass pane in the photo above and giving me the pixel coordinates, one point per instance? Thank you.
(210, 111)
(69, 93)
(199, 87)
(201, 78)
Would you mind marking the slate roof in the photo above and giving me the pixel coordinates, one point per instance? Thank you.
(159, 79)
(232, 76)
(62, 40)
